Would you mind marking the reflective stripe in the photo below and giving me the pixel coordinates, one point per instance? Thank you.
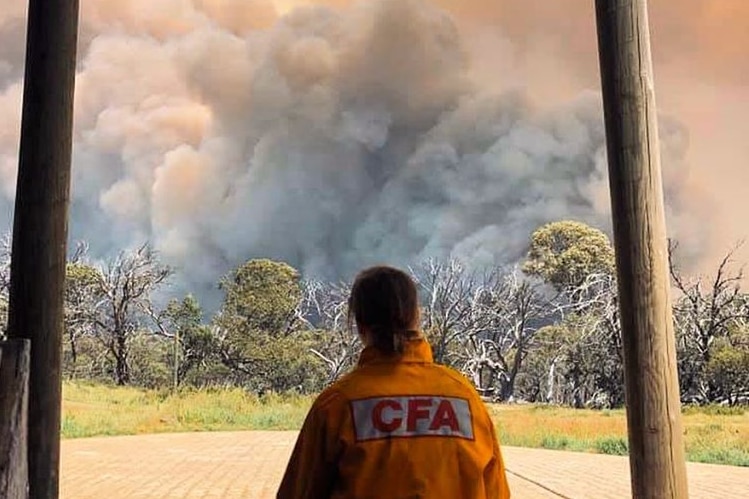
(414, 416)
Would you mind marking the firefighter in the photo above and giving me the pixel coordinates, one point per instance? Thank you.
(398, 425)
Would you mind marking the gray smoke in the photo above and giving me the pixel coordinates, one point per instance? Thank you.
(330, 139)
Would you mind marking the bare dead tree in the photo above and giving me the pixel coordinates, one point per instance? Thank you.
(113, 301)
(6, 244)
(704, 311)
(525, 310)
(450, 293)
(508, 310)
(324, 307)
(577, 359)
(595, 357)
(80, 254)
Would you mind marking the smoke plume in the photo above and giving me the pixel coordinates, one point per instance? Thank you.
(338, 134)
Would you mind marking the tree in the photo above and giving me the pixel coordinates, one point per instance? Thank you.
(114, 301)
(148, 359)
(593, 312)
(260, 330)
(578, 360)
(194, 344)
(5, 250)
(578, 261)
(728, 368)
(521, 309)
(704, 313)
(540, 379)
(83, 298)
(450, 310)
(509, 309)
(325, 309)
(565, 253)
(127, 284)
(481, 324)
(262, 295)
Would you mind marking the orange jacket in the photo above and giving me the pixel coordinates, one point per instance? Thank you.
(397, 426)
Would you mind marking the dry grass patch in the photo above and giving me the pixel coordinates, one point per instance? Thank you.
(90, 410)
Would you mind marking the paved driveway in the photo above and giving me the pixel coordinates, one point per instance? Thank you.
(250, 465)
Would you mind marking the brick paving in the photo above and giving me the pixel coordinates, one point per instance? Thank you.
(250, 465)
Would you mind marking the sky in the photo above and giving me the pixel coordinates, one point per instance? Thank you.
(338, 134)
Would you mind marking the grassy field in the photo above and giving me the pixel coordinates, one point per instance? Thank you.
(716, 435)
(713, 435)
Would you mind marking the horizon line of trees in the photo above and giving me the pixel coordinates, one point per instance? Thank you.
(546, 332)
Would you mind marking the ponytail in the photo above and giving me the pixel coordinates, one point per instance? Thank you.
(391, 341)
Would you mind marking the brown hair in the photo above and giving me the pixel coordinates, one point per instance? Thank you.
(385, 301)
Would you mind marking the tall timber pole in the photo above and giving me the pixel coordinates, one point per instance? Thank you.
(657, 463)
(41, 224)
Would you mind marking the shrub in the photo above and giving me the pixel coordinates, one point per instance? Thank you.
(615, 446)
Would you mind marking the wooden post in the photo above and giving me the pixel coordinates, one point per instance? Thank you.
(652, 390)
(41, 225)
(14, 379)
(176, 359)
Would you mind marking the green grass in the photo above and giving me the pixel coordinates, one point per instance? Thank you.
(616, 446)
(718, 435)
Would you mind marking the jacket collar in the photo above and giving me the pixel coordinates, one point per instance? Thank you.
(414, 351)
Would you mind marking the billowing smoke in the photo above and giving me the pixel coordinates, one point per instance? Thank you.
(330, 136)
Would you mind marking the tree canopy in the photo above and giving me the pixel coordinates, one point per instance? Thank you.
(565, 253)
